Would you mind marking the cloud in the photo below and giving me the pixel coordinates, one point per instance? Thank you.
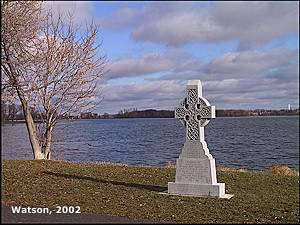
(249, 63)
(80, 10)
(252, 23)
(139, 66)
(123, 18)
(153, 94)
(231, 93)
(255, 79)
(257, 22)
(172, 59)
(276, 63)
(158, 90)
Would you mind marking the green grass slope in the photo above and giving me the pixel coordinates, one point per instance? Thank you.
(120, 190)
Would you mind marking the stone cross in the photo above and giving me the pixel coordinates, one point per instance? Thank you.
(195, 111)
(195, 167)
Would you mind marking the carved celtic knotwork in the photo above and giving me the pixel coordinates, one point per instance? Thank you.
(205, 112)
(194, 112)
(202, 102)
(180, 113)
(192, 96)
(193, 129)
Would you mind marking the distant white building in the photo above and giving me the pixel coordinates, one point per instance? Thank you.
(289, 107)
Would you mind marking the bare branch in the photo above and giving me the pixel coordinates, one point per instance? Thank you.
(49, 62)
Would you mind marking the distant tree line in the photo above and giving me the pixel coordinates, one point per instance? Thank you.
(152, 113)
(256, 112)
(232, 112)
(149, 113)
(11, 112)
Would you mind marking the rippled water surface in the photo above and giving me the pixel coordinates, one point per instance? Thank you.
(253, 143)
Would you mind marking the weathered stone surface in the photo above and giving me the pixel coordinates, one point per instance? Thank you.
(195, 167)
(199, 190)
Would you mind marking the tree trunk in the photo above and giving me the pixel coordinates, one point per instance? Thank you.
(37, 152)
(47, 151)
(34, 141)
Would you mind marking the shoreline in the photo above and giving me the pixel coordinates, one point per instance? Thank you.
(278, 167)
(264, 116)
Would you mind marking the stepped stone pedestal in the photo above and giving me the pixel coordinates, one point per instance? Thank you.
(195, 167)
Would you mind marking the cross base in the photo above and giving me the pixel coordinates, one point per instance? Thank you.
(198, 190)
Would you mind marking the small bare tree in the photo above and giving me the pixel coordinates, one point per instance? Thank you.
(19, 30)
(62, 78)
(68, 73)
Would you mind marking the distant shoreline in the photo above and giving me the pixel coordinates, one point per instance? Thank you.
(23, 121)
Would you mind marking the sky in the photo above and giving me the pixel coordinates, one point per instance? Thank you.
(246, 54)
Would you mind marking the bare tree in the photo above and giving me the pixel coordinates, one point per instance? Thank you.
(68, 74)
(63, 76)
(19, 30)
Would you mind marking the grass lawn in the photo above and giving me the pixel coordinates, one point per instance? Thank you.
(120, 190)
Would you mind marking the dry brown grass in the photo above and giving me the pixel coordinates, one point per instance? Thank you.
(228, 169)
(284, 170)
(259, 197)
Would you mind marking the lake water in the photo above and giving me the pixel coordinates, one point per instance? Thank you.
(254, 143)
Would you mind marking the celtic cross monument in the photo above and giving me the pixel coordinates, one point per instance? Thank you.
(195, 167)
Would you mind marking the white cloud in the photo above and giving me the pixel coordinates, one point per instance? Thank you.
(249, 63)
(153, 94)
(158, 90)
(233, 80)
(255, 23)
(252, 23)
(139, 66)
(80, 10)
(172, 59)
